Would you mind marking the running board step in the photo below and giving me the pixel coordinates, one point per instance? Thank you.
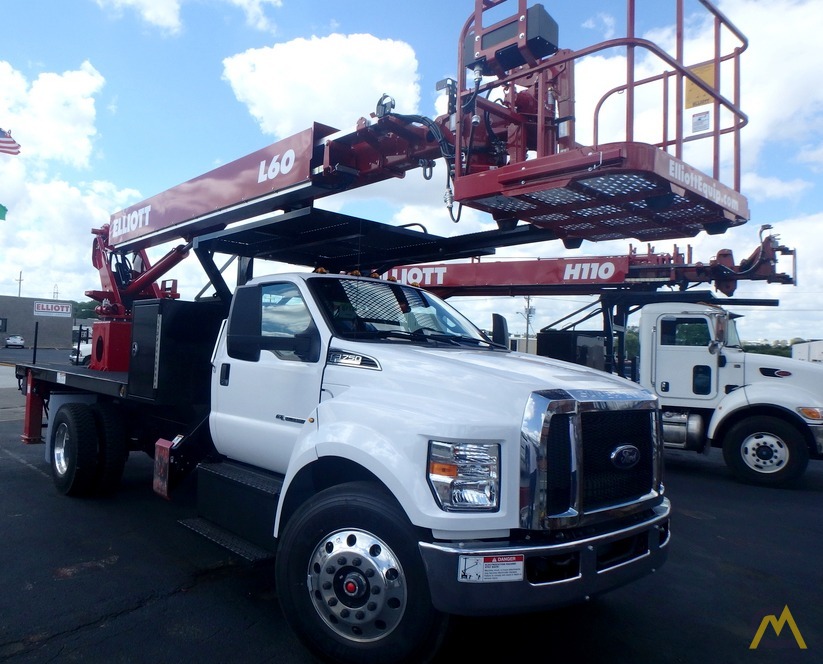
(230, 541)
(240, 499)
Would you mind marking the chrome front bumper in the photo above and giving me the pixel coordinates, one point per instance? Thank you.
(483, 578)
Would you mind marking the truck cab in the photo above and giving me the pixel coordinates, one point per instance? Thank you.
(764, 411)
(314, 367)
(691, 356)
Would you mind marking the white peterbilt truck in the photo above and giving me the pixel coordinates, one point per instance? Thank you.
(764, 411)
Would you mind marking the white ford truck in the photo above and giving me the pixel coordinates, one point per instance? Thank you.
(398, 464)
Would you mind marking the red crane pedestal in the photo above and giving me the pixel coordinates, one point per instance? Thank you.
(110, 345)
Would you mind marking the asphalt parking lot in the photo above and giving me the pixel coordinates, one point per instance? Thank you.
(120, 580)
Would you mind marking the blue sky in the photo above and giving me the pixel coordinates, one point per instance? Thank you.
(118, 100)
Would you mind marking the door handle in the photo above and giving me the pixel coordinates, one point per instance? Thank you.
(664, 386)
(225, 368)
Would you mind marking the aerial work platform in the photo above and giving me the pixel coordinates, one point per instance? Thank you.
(618, 191)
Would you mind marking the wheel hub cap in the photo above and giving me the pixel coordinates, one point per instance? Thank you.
(357, 585)
(764, 453)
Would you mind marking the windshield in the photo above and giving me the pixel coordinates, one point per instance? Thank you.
(362, 308)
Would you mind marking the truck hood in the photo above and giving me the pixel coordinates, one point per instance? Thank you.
(799, 373)
(488, 380)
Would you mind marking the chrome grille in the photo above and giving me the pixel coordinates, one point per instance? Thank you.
(573, 463)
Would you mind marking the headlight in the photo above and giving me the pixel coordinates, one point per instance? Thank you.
(465, 476)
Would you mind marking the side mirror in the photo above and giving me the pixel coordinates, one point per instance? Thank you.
(500, 330)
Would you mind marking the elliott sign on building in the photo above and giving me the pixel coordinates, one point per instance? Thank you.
(52, 309)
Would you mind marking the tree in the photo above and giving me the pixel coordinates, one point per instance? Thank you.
(632, 341)
(83, 310)
(780, 348)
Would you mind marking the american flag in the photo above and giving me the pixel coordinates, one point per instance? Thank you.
(8, 144)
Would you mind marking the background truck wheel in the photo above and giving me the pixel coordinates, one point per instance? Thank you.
(367, 599)
(766, 450)
(74, 450)
(112, 452)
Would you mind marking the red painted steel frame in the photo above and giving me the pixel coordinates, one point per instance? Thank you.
(33, 421)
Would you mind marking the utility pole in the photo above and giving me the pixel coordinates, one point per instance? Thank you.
(19, 281)
(527, 313)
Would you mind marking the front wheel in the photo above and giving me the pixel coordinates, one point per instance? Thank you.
(766, 450)
(351, 581)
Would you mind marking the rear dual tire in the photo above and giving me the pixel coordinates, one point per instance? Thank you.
(88, 449)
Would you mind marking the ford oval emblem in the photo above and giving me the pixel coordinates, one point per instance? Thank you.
(625, 457)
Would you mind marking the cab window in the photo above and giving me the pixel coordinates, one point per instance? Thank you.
(684, 332)
(285, 316)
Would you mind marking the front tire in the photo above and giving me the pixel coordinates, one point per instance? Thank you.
(766, 451)
(351, 581)
(74, 443)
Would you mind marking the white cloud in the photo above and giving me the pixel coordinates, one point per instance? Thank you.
(47, 233)
(812, 155)
(255, 12)
(761, 188)
(60, 115)
(602, 23)
(779, 91)
(54, 117)
(334, 77)
(15, 88)
(163, 14)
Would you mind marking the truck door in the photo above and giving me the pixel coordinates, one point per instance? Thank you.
(268, 375)
(684, 367)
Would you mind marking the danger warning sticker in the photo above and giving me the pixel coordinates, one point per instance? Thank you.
(490, 569)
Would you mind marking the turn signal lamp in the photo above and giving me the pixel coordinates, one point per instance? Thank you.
(811, 413)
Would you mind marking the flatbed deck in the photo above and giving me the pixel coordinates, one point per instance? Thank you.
(111, 383)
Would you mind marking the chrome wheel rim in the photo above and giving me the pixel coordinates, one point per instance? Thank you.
(61, 440)
(357, 585)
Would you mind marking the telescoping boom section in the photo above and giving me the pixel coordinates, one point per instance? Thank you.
(595, 275)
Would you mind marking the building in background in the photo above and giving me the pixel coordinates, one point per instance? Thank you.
(50, 320)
